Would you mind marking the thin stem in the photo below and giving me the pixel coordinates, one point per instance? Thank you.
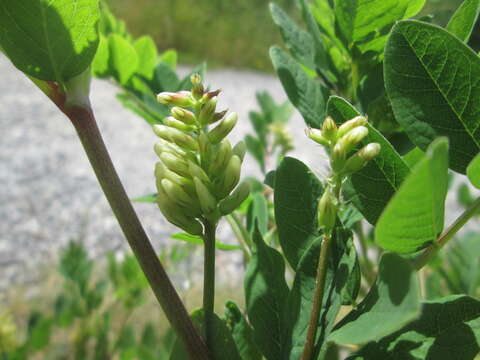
(209, 280)
(428, 254)
(308, 350)
(89, 134)
(239, 235)
(243, 230)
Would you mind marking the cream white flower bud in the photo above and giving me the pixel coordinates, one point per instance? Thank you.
(338, 157)
(162, 172)
(327, 211)
(240, 149)
(177, 195)
(181, 98)
(163, 146)
(180, 125)
(316, 135)
(352, 138)
(197, 171)
(175, 163)
(233, 201)
(176, 136)
(208, 203)
(183, 115)
(329, 129)
(231, 176)
(361, 158)
(222, 157)
(223, 129)
(350, 125)
(207, 111)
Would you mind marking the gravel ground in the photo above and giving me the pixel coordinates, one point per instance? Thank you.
(49, 194)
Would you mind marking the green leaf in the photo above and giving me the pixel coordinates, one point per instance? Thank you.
(366, 20)
(305, 93)
(149, 198)
(430, 77)
(392, 302)
(297, 191)
(39, 331)
(242, 332)
(100, 67)
(49, 40)
(256, 149)
(298, 307)
(193, 239)
(413, 157)
(123, 59)
(223, 344)
(297, 40)
(258, 213)
(371, 188)
(169, 57)
(414, 217)
(448, 328)
(463, 20)
(473, 171)
(265, 294)
(147, 56)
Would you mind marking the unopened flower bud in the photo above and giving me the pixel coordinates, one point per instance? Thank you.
(329, 129)
(162, 172)
(197, 86)
(316, 135)
(180, 125)
(231, 176)
(233, 201)
(361, 158)
(183, 115)
(176, 136)
(176, 194)
(240, 149)
(223, 129)
(181, 98)
(338, 158)
(327, 211)
(352, 138)
(208, 203)
(212, 94)
(207, 111)
(197, 171)
(175, 163)
(174, 214)
(350, 125)
(163, 146)
(222, 157)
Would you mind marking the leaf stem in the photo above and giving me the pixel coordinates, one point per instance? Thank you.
(209, 280)
(239, 234)
(308, 350)
(447, 235)
(84, 122)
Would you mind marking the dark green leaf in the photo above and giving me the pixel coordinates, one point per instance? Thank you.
(297, 40)
(463, 20)
(297, 191)
(242, 332)
(265, 293)
(258, 213)
(39, 331)
(49, 40)
(415, 215)
(393, 301)
(473, 171)
(270, 179)
(305, 93)
(447, 329)
(298, 307)
(193, 239)
(371, 188)
(430, 76)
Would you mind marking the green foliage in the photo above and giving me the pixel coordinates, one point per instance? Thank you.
(473, 171)
(462, 22)
(51, 41)
(422, 64)
(415, 215)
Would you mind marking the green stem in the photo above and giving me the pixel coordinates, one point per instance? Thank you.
(89, 134)
(309, 348)
(209, 280)
(428, 254)
(239, 235)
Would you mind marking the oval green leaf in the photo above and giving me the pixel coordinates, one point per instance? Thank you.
(473, 171)
(49, 40)
(415, 215)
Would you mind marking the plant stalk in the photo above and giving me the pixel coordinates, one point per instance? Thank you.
(90, 136)
(209, 280)
(309, 348)
(447, 235)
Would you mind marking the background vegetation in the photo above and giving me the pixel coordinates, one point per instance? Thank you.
(223, 32)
